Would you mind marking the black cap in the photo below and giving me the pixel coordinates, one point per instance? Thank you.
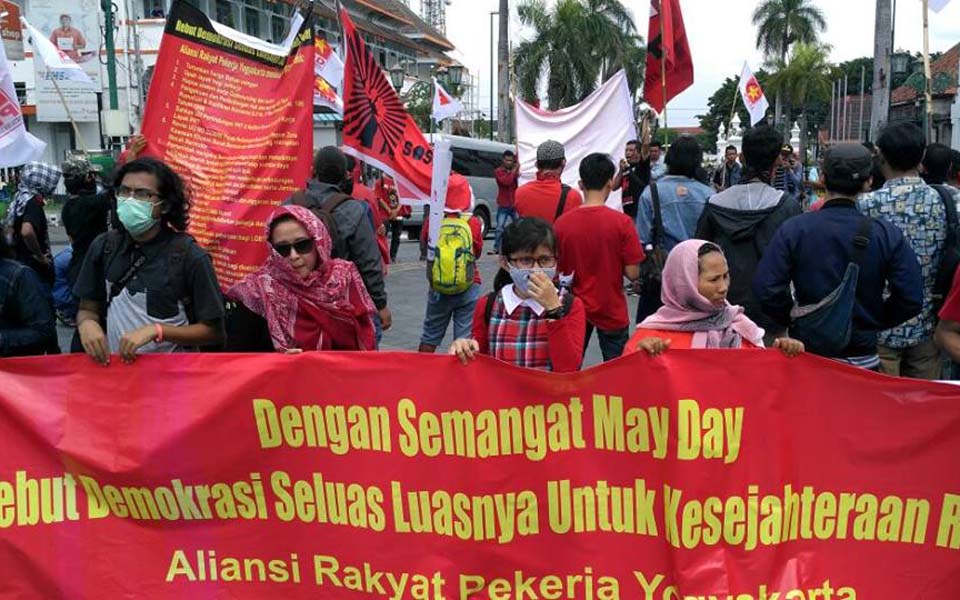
(848, 162)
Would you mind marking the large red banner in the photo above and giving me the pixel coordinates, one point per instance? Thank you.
(377, 129)
(717, 474)
(236, 121)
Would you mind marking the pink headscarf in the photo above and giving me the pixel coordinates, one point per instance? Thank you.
(335, 285)
(685, 309)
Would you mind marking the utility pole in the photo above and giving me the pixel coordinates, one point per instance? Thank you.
(503, 74)
(107, 6)
(882, 76)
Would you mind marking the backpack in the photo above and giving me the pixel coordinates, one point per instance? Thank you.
(826, 327)
(454, 263)
(324, 212)
(950, 259)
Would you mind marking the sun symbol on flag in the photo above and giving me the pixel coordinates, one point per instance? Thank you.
(321, 45)
(753, 91)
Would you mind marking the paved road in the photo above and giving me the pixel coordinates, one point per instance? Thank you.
(406, 289)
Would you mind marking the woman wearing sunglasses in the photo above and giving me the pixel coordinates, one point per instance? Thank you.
(301, 299)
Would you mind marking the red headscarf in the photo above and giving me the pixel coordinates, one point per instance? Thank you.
(335, 286)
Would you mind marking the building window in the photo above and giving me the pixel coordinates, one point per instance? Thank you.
(251, 21)
(224, 13)
(278, 27)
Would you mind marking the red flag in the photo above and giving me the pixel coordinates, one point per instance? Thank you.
(376, 127)
(672, 45)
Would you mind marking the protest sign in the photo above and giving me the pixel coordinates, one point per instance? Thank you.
(234, 116)
(697, 474)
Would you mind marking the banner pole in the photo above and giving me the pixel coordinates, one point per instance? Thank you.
(736, 96)
(63, 101)
(928, 85)
(663, 77)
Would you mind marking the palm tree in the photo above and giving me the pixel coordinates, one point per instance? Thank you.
(782, 23)
(577, 44)
(805, 79)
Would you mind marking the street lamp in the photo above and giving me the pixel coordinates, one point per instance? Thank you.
(397, 75)
(492, 61)
(456, 75)
(900, 62)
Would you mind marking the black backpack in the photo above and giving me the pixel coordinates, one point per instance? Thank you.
(950, 259)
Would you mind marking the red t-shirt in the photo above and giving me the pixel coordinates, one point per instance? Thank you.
(477, 240)
(540, 198)
(506, 186)
(595, 243)
(951, 307)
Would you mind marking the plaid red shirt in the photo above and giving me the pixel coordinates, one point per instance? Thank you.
(524, 339)
(520, 339)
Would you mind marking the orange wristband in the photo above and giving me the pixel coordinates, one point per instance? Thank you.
(159, 338)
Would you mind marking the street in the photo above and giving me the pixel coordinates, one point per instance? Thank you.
(406, 290)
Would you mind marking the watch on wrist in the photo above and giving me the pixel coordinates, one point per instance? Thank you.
(556, 313)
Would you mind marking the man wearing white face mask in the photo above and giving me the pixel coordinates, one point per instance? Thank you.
(600, 247)
(150, 284)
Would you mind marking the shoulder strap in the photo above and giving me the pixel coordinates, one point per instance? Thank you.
(564, 192)
(333, 202)
(861, 241)
(116, 287)
(657, 233)
(299, 198)
(488, 309)
(949, 204)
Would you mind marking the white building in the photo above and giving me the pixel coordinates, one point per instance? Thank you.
(395, 33)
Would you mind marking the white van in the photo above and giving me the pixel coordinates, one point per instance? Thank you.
(476, 160)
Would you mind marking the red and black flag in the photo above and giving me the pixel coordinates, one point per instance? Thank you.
(668, 55)
(376, 127)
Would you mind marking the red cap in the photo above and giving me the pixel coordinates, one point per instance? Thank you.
(459, 194)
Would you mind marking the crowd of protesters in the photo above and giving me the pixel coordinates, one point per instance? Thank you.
(864, 275)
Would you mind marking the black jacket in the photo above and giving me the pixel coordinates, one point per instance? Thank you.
(742, 220)
(811, 253)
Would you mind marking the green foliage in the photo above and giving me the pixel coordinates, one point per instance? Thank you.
(782, 23)
(576, 45)
(419, 103)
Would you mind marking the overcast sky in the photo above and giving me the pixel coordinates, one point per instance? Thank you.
(721, 38)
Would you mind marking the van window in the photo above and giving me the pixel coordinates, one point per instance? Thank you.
(475, 163)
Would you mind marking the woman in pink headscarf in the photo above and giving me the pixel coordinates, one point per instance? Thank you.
(695, 312)
(301, 299)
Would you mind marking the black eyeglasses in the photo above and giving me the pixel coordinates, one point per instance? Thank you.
(528, 262)
(142, 194)
(302, 247)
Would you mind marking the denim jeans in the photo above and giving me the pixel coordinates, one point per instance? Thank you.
(611, 342)
(441, 308)
(505, 216)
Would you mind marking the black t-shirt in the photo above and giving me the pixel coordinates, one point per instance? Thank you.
(634, 181)
(33, 214)
(84, 218)
(160, 291)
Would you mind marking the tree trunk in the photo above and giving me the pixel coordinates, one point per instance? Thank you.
(503, 75)
(803, 138)
(882, 46)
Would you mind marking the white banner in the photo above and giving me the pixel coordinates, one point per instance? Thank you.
(444, 104)
(70, 28)
(66, 50)
(17, 146)
(442, 161)
(603, 122)
(753, 96)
